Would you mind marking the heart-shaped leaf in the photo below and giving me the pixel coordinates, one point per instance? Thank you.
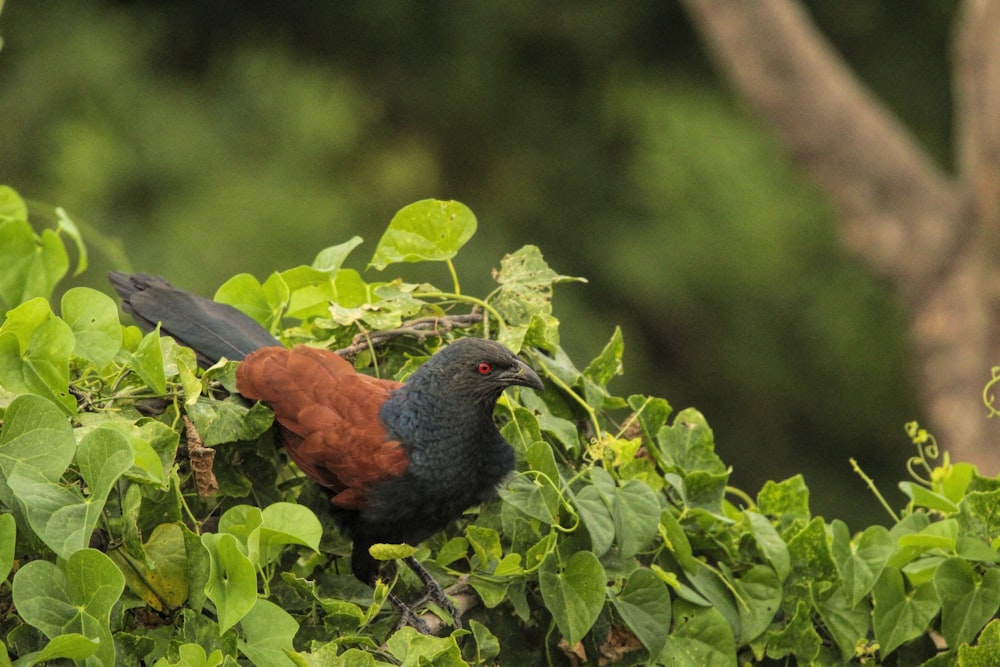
(967, 601)
(644, 605)
(428, 230)
(73, 598)
(573, 594)
(232, 580)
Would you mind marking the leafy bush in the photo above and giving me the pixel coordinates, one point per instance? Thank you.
(148, 517)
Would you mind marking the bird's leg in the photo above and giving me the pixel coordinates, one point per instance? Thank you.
(409, 617)
(434, 590)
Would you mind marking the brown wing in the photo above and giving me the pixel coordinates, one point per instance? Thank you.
(329, 416)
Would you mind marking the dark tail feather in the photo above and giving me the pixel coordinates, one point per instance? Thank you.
(213, 330)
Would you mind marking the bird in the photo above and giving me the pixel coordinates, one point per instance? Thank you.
(400, 461)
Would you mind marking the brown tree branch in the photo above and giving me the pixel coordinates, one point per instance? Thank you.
(900, 212)
(977, 111)
(419, 328)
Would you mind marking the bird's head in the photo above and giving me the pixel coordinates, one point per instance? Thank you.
(479, 369)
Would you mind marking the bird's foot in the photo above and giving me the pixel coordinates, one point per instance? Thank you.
(434, 591)
(407, 616)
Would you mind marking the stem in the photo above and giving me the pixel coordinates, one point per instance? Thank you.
(454, 276)
(487, 308)
(742, 495)
(874, 489)
(591, 415)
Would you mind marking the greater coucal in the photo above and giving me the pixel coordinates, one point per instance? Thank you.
(401, 461)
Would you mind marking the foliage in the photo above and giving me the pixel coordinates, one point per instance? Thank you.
(149, 518)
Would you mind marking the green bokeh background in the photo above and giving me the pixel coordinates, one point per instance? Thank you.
(202, 139)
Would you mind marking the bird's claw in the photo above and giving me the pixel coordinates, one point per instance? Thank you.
(408, 617)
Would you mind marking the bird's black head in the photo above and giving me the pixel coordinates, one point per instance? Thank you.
(480, 369)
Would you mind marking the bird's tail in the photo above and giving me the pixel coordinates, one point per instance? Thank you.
(213, 330)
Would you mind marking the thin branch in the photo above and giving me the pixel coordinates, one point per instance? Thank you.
(420, 328)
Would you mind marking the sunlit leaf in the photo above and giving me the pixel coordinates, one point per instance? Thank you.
(428, 230)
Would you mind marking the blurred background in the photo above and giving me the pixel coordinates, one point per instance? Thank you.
(202, 139)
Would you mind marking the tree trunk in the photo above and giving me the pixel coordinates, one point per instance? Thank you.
(935, 237)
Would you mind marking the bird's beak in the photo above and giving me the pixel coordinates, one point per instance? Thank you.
(522, 374)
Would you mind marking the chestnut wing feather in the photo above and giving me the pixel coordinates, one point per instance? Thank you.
(329, 417)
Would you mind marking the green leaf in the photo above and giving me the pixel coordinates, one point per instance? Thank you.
(596, 517)
(429, 230)
(35, 348)
(688, 444)
(644, 605)
(987, 648)
(12, 207)
(524, 299)
(247, 295)
(232, 579)
(924, 497)
(573, 594)
(674, 537)
(65, 224)
(651, 412)
(147, 362)
(608, 363)
(73, 646)
(848, 624)
(331, 259)
(383, 551)
(900, 615)
(30, 265)
(700, 636)
(413, 649)
(797, 638)
(269, 631)
(860, 562)
(62, 516)
(244, 522)
(979, 515)
(788, 500)
(636, 512)
(35, 435)
(771, 545)
(810, 553)
(967, 601)
(759, 596)
(705, 490)
(229, 420)
(8, 537)
(487, 645)
(528, 496)
(485, 543)
(93, 318)
(288, 523)
(75, 597)
(193, 655)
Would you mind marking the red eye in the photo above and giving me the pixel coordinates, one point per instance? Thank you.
(484, 368)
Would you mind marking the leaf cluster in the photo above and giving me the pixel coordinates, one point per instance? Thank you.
(148, 517)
